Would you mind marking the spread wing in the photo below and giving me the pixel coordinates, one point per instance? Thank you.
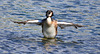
(65, 24)
(38, 22)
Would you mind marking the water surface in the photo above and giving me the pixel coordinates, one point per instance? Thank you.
(27, 39)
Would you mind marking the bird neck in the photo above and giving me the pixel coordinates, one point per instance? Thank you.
(49, 20)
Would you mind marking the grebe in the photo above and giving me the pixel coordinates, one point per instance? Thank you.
(49, 25)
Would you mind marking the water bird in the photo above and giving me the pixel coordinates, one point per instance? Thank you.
(49, 25)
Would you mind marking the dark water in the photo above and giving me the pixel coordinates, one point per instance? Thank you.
(27, 39)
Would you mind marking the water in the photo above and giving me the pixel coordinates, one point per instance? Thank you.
(27, 39)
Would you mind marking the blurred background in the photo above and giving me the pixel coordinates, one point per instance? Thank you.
(27, 39)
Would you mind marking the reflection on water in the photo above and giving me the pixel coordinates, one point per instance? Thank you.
(48, 43)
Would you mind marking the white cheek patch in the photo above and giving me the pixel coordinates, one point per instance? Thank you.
(50, 14)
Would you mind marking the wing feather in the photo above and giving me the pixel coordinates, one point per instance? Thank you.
(65, 24)
(38, 22)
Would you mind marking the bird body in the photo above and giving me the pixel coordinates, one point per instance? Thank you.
(49, 28)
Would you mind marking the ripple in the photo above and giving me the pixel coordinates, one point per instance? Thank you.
(27, 39)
